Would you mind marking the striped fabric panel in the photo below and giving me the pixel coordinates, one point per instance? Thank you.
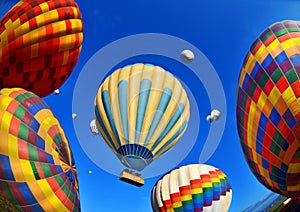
(268, 111)
(141, 106)
(40, 44)
(104, 132)
(192, 188)
(37, 171)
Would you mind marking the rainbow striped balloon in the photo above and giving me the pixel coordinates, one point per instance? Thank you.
(37, 169)
(268, 108)
(141, 111)
(195, 187)
(40, 42)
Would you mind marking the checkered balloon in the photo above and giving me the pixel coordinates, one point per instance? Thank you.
(40, 42)
(268, 108)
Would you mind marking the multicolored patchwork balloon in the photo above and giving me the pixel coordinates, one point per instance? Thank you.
(37, 169)
(141, 112)
(196, 187)
(40, 42)
(268, 108)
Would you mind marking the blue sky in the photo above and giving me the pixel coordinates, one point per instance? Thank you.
(220, 33)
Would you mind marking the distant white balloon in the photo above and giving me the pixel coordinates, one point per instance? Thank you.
(56, 92)
(90, 172)
(94, 128)
(74, 115)
(209, 119)
(214, 116)
(187, 56)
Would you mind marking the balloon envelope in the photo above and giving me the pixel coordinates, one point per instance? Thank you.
(56, 92)
(39, 47)
(93, 127)
(141, 112)
(216, 114)
(268, 111)
(195, 187)
(74, 115)
(37, 171)
(187, 56)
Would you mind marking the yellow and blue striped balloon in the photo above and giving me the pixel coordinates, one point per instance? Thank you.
(141, 111)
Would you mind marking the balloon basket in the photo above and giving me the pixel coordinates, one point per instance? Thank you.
(132, 178)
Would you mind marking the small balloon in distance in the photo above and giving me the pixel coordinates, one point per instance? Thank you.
(56, 92)
(93, 127)
(187, 56)
(74, 115)
(214, 116)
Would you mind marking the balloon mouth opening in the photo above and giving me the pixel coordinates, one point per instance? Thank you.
(134, 162)
(72, 176)
(134, 156)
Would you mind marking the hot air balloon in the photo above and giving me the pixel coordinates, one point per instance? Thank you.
(40, 42)
(74, 115)
(56, 92)
(195, 187)
(187, 56)
(93, 127)
(214, 116)
(37, 169)
(141, 111)
(268, 110)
